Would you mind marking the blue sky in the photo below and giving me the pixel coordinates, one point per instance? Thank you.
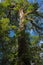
(35, 0)
(11, 34)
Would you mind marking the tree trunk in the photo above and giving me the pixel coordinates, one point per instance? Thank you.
(23, 58)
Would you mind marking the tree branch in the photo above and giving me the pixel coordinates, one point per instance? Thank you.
(38, 14)
(33, 12)
(34, 24)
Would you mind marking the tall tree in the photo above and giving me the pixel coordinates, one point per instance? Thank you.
(18, 12)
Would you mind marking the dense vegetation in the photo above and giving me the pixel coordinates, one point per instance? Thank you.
(21, 49)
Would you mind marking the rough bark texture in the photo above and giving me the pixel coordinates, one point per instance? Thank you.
(23, 46)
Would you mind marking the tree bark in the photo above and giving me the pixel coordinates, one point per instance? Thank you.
(23, 58)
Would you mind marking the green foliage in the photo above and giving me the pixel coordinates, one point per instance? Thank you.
(9, 20)
(41, 45)
(6, 3)
(34, 40)
(30, 8)
(4, 23)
